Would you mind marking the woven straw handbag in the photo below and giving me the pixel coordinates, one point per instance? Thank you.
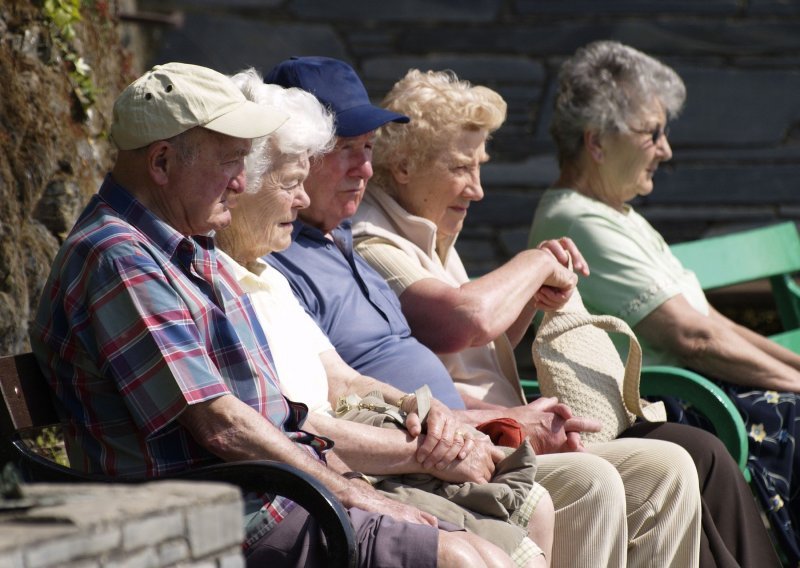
(577, 362)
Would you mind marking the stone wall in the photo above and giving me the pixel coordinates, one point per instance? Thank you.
(736, 146)
(57, 82)
(158, 525)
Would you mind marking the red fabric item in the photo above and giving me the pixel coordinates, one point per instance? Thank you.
(503, 432)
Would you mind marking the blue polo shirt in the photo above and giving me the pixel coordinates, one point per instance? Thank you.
(359, 312)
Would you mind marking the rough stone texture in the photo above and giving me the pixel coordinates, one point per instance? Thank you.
(53, 153)
(136, 534)
(212, 526)
(148, 525)
(736, 146)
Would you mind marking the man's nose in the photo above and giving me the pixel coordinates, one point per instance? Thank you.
(363, 168)
(239, 182)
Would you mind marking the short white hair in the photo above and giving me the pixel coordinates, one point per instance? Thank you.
(310, 127)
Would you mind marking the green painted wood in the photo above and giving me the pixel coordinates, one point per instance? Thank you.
(771, 252)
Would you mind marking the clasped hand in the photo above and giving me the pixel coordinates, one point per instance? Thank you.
(557, 289)
(551, 427)
(449, 450)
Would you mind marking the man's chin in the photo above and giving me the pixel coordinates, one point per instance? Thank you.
(350, 208)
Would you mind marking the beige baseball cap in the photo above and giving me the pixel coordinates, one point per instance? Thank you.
(174, 97)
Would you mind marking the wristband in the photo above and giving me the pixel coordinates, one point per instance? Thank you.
(357, 475)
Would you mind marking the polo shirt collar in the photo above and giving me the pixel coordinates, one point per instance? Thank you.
(300, 228)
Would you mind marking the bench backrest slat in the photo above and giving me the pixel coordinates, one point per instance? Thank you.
(27, 401)
(771, 253)
(741, 257)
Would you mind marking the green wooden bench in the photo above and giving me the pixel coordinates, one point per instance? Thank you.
(771, 253)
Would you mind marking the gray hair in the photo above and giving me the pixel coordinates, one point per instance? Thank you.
(310, 127)
(602, 86)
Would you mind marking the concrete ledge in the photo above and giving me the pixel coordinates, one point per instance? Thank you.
(158, 524)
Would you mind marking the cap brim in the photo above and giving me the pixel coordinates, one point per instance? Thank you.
(248, 120)
(365, 118)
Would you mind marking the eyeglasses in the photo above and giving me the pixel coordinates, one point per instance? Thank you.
(655, 133)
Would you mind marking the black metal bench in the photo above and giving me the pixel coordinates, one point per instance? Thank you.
(28, 406)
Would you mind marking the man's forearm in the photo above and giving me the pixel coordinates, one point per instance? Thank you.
(230, 429)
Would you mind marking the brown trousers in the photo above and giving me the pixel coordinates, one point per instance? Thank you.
(733, 533)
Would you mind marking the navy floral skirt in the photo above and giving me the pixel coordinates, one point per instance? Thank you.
(773, 425)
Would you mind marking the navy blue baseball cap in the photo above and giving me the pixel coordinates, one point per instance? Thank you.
(336, 85)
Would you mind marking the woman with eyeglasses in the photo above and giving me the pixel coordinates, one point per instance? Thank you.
(610, 129)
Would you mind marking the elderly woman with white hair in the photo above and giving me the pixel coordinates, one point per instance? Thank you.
(311, 372)
(427, 173)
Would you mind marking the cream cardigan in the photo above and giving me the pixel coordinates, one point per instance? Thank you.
(402, 248)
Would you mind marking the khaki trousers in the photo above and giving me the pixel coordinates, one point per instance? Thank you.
(625, 503)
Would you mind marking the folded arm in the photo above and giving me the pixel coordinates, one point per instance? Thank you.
(768, 346)
(715, 346)
(441, 425)
(232, 430)
(387, 451)
(450, 318)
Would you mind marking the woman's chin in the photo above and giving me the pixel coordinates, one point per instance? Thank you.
(278, 245)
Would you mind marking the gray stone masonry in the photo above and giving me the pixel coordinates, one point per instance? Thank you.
(736, 146)
(158, 524)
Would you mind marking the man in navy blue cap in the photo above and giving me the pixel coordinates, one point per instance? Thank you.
(336, 187)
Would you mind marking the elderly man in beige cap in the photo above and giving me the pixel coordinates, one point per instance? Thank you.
(153, 351)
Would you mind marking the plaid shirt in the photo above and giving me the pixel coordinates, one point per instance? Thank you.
(138, 321)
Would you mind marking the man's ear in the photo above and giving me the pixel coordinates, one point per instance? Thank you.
(593, 144)
(159, 157)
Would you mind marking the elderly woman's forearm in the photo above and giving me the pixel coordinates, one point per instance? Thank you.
(769, 347)
(730, 357)
(449, 319)
(344, 380)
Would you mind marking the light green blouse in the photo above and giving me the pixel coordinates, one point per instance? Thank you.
(632, 268)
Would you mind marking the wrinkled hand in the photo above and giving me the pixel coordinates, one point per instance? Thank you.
(564, 249)
(445, 439)
(365, 497)
(551, 427)
(561, 281)
(550, 298)
(478, 467)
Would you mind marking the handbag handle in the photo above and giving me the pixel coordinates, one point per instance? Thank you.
(557, 323)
